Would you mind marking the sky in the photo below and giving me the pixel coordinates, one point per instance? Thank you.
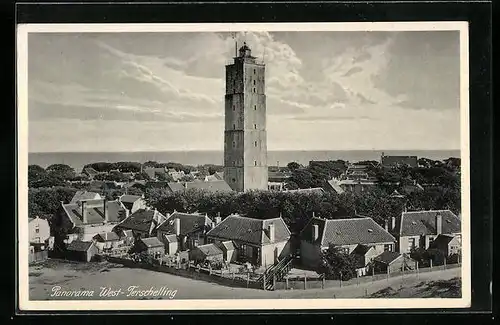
(164, 91)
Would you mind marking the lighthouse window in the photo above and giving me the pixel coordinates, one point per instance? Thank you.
(254, 71)
(234, 180)
(234, 144)
(254, 107)
(234, 126)
(255, 126)
(255, 143)
(254, 90)
(254, 82)
(255, 162)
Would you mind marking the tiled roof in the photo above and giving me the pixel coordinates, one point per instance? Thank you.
(189, 223)
(143, 220)
(209, 249)
(335, 186)
(211, 186)
(84, 195)
(171, 238)
(228, 245)
(361, 250)
(108, 236)
(415, 223)
(151, 242)
(387, 257)
(441, 240)
(90, 171)
(73, 211)
(79, 246)
(250, 230)
(127, 233)
(351, 231)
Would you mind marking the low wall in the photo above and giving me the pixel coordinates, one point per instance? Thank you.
(191, 273)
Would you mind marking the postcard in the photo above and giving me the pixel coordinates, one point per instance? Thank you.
(245, 166)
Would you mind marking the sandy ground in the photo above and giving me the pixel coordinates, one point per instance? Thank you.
(94, 276)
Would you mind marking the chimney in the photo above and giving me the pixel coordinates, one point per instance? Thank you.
(439, 224)
(386, 225)
(177, 226)
(315, 234)
(314, 215)
(393, 223)
(84, 213)
(270, 229)
(217, 220)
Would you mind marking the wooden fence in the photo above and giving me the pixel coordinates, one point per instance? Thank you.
(304, 282)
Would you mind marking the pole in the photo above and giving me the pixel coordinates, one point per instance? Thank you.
(264, 282)
(341, 279)
(248, 279)
(357, 279)
(286, 279)
(305, 281)
(388, 273)
(430, 260)
(445, 262)
(418, 275)
(373, 274)
(323, 282)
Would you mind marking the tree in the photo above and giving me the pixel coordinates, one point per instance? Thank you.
(35, 174)
(302, 178)
(293, 166)
(336, 264)
(61, 171)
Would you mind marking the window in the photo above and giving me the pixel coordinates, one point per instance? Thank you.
(255, 143)
(37, 230)
(254, 107)
(234, 180)
(234, 126)
(254, 82)
(388, 248)
(255, 162)
(411, 244)
(254, 90)
(234, 144)
(255, 126)
(254, 71)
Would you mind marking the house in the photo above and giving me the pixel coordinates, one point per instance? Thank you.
(90, 172)
(228, 251)
(107, 241)
(39, 230)
(392, 262)
(350, 185)
(260, 242)
(38, 252)
(86, 218)
(85, 195)
(364, 256)
(81, 250)
(171, 243)
(333, 186)
(133, 202)
(345, 233)
(176, 175)
(396, 161)
(152, 172)
(447, 244)
(126, 235)
(217, 176)
(151, 246)
(212, 186)
(142, 223)
(417, 229)
(207, 252)
(189, 229)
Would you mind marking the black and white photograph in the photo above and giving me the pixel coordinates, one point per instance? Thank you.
(220, 166)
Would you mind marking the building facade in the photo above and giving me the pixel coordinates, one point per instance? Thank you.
(245, 136)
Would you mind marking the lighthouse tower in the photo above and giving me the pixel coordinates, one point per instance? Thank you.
(245, 138)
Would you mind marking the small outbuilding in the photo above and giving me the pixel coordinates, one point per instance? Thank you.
(392, 262)
(208, 252)
(81, 250)
(152, 246)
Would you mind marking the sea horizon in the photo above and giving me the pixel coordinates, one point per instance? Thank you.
(78, 159)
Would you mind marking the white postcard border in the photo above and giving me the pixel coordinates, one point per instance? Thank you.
(236, 304)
